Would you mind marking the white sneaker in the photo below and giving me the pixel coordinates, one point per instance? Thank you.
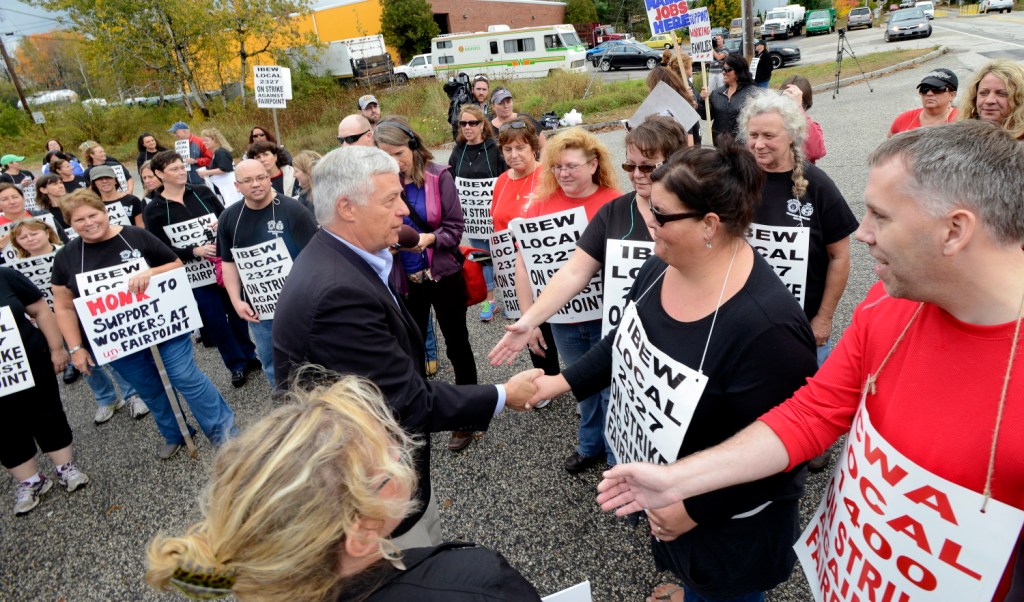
(70, 477)
(27, 496)
(105, 413)
(138, 408)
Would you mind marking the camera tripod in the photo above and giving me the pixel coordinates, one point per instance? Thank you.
(843, 45)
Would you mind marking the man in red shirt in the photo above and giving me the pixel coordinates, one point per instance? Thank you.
(927, 500)
(198, 154)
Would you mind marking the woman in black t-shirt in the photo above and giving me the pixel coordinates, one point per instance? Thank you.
(148, 148)
(104, 183)
(63, 169)
(96, 156)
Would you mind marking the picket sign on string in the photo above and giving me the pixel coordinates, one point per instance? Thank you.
(15, 373)
(39, 270)
(546, 243)
(189, 233)
(786, 249)
(118, 214)
(10, 255)
(122, 180)
(105, 279)
(118, 323)
(887, 529)
(503, 258)
(182, 148)
(263, 269)
(29, 190)
(623, 260)
(475, 198)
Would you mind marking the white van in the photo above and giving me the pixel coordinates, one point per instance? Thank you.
(503, 53)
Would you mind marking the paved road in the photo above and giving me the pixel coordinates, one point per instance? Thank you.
(507, 491)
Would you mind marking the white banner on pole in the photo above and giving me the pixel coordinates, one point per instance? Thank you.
(700, 35)
(271, 87)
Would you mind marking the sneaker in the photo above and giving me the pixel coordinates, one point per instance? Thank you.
(70, 477)
(105, 413)
(71, 374)
(138, 408)
(27, 495)
(486, 311)
(238, 378)
(168, 450)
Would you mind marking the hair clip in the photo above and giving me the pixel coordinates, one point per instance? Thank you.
(202, 583)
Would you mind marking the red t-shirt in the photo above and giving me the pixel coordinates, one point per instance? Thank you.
(512, 198)
(911, 120)
(5, 221)
(559, 202)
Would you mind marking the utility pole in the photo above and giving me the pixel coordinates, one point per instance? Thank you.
(748, 29)
(14, 76)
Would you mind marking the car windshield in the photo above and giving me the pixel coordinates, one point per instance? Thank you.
(859, 11)
(818, 14)
(908, 14)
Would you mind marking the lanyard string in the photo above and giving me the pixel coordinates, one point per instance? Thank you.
(168, 207)
(273, 216)
(487, 160)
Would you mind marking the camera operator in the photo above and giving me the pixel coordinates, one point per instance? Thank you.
(457, 88)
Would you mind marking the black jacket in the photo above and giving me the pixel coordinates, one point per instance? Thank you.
(725, 111)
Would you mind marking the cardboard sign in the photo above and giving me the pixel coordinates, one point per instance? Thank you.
(182, 148)
(664, 100)
(118, 323)
(29, 190)
(39, 270)
(665, 16)
(786, 250)
(503, 258)
(15, 373)
(577, 593)
(263, 269)
(122, 181)
(701, 43)
(105, 279)
(118, 214)
(753, 65)
(653, 397)
(546, 243)
(271, 87)
(187, 234)
(475, 198)
(888, 529)
(10, 255)
(622, 261)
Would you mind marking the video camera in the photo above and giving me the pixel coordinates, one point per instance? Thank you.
(457, 88)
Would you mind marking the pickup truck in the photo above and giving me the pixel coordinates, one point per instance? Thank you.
(421, 65)
(820, 21)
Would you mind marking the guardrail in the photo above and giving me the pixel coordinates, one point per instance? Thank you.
(969, 9)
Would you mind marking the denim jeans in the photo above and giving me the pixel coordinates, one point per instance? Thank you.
(692, 596)
(430, 343)
(484, 245)
(204, 400)
(261, 337)
(574, 340)
(103, 387)
(824, 351)
(762, 84)
(234, 351)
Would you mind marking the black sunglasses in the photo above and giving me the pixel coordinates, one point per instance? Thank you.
(644, 169)
(471, 123)
(664, 218)
(518, 124)
(353, 138)
(922, 90)
(727, 69)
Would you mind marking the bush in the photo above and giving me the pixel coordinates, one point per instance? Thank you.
(13, 121)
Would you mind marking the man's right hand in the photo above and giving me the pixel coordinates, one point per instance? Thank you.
(629, 488)
(517, 337)
(521, 388)
(245, 311)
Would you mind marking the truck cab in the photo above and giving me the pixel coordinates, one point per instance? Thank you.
(421, 65)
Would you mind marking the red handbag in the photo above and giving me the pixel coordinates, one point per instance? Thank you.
(473, 272)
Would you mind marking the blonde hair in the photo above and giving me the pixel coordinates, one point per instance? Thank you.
(585, 142)
(217, 137)
(286, 492)
(83, 197)
(1009, 72)
(90, 148)
(31, 224)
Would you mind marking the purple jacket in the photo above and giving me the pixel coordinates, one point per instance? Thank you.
(444, 214)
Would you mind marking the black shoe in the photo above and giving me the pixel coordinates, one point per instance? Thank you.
(253, 365)
(71, 374)
(577, 463)
(819, 463)
(238, 378)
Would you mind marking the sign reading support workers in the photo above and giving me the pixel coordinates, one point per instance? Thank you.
(665, 16)
(263, 269)
(15, 373)
(271, 86)
(119, 323)
(700, 35)
(503, 257)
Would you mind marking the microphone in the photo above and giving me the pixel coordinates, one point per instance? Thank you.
(408, 237)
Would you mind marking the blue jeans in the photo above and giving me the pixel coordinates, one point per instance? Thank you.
(431, 342)
(484, 245)
(204, 400)
(103, 387)
(261, 336)
(824, 351)
(761, 84)
(692, 596)
(574, 340)
(233, 343)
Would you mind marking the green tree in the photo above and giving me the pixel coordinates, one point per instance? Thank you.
(580, 11)
(722, 12)
(408, 25)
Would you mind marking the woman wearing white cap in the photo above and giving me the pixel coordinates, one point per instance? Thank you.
(937, 90)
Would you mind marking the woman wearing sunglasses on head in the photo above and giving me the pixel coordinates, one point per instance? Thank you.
(727, 101)
(937, 90)
(711, 311)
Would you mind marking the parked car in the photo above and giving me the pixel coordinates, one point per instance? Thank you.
(628, 56)
(421, 65)
(927, 7)
(859, 17)
(736, 27)
(907, 4)
(720, 31)
(781, 55)
(661, 40)
(998, 6)
(600, 48)
(820, 21)
(907, 23)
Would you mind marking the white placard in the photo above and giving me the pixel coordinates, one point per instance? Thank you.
(122, 181)
(888, 529)
(118, 214)
(753, 65)
(653, 397)
(39, 270)
(286, 81)
(270, 87)
(118, 323)
(15, 373)
(182, 148)
(503, 259)
(105, 279)
(785, 248)
(546, 243)
(577, 593)
(622, 262)
(8, 252)
(189, 233)
(29, 190)
(263, 269)
(475, 198)
(701, 43)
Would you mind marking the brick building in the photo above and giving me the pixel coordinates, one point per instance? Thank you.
(454, 16)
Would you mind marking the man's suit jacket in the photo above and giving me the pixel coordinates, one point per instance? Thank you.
(336, 312)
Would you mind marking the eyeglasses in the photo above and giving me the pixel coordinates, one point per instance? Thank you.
(556, 169)
(260, 135)
(353, 138)
(518, 124)
(471, 123)
(644, 169)
(727, 69)
(922, 90)
(664, 218)
(249, 181)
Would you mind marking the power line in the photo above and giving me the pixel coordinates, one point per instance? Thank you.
(37, 15)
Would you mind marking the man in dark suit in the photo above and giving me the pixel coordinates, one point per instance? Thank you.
(337, 311)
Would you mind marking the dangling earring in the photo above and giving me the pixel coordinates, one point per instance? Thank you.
(708, 244)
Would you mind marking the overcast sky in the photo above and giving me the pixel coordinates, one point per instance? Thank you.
(22, 19)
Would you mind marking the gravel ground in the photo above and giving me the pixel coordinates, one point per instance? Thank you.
(506, 491)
